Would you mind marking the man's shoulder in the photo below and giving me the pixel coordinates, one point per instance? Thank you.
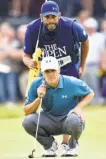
(35, 24)
(66, 21)
(37, 81)
(71, 79)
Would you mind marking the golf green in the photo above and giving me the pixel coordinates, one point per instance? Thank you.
(16, 144)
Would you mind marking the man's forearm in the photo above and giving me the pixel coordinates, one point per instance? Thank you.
(26, 59)
(85, 101)
(32, 107)
(84, 52)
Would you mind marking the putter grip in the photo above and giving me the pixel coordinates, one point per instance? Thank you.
(43, 83)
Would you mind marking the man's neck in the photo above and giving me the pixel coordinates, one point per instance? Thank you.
(54, 85)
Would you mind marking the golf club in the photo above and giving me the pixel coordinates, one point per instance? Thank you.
(37, 43)
(41, 97)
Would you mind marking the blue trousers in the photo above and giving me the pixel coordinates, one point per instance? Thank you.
(9, 87)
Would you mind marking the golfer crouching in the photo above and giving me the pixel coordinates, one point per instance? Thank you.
(62, 103)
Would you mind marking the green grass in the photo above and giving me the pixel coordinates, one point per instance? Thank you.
(11, 111)
(16, 144)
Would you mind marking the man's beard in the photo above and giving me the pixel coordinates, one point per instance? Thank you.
(51, 27)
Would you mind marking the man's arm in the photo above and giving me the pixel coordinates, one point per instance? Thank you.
(32, 107)
(84, 52)
(82, 37)
(84, 94)
(28, 50)
(28, 61)
(84, 102)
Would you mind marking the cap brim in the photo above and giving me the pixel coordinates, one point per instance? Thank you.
(50, 68)
(50, 13)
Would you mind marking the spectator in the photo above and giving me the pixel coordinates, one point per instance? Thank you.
(102, 70)
(99, 8)
(34, 8)
(103, 26)
(4, 8)
(102, 75)
(96, 47)
(18, 7)
(82, 16)
(23, 79)
(88, 5)
(9, 81)
(69, 8)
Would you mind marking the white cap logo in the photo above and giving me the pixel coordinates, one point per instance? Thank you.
(55, 9)
(49, 62)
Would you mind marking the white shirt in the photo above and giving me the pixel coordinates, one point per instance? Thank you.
(96, 45)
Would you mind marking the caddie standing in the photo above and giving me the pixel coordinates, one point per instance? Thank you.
(60, 37)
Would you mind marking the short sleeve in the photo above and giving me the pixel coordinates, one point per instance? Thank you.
(28, 47)
(79, 32)
(32, 94)
(81, 88)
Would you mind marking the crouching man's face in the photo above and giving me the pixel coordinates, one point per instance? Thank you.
(51, 77)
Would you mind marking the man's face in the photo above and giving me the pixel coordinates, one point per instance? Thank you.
(50, 21)
(51, 77)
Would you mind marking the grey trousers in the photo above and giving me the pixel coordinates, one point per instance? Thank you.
(50, 125)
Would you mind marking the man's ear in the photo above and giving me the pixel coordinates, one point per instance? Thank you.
(41, 16)
(59, 15)
(59, 70)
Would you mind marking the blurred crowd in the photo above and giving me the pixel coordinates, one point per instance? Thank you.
(12, 68)
(31, 8)
(14, 74)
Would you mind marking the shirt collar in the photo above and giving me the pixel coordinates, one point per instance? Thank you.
(60, 85)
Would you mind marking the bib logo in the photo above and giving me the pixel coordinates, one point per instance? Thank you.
(53, 50)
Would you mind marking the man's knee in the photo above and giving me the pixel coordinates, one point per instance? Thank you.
(28, 122)
(74, 123)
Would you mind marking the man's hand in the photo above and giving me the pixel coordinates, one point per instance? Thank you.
(80, 71)
(41, 91)
(78, 111)
(28, 61)
(31, 64)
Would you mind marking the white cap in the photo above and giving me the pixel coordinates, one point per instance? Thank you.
(48, 63)
(91, 23)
